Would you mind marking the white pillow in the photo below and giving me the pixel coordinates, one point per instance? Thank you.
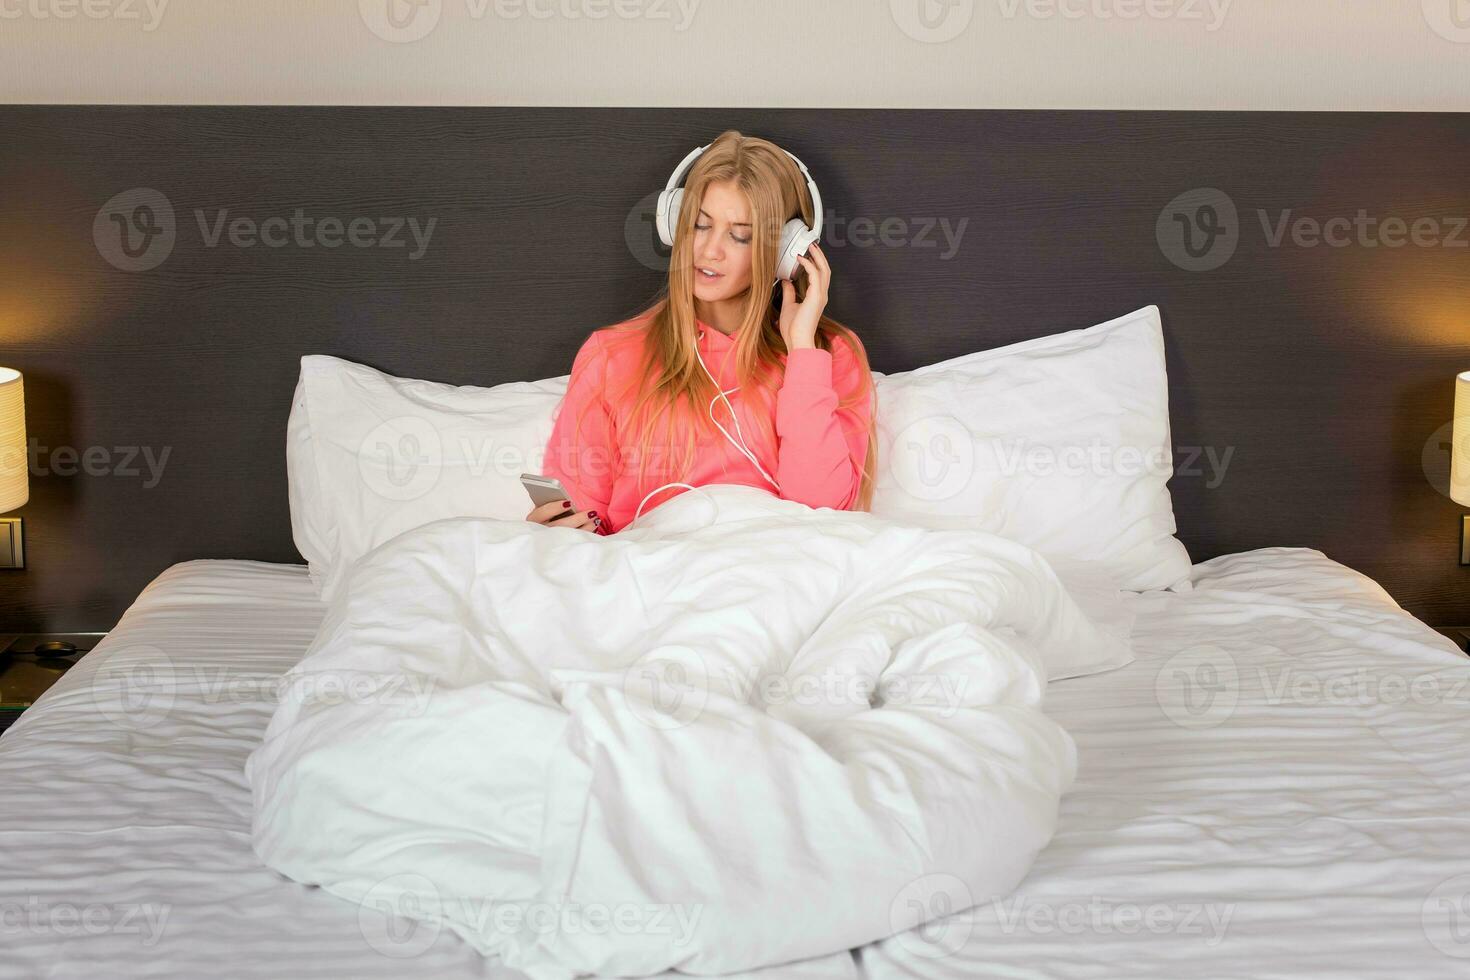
(1060, 443)
(369, 456)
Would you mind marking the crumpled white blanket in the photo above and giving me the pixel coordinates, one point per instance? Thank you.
(739, 733)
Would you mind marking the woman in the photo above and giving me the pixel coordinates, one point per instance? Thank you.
(642, 415)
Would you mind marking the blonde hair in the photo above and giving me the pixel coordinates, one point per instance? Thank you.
(677, 390)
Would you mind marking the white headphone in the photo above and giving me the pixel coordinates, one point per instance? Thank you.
(796, 237)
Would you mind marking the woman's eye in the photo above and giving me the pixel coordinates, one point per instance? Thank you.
(733, 237)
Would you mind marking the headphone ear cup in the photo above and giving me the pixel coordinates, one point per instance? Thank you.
(796, 238)
(666, 216)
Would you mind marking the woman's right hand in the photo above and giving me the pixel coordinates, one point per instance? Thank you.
(559, 513)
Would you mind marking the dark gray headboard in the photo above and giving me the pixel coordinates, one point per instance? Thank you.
(1324, 371)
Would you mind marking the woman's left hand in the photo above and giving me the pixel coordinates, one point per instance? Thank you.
(799, 320)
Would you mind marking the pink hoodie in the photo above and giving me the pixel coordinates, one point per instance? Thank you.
(818, 455)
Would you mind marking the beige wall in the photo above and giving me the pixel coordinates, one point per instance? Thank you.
(1186, 54)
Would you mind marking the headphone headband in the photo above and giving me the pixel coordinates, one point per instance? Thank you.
(685, 165)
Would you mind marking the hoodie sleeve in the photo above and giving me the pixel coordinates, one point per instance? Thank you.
(580, 450)
(822, 448)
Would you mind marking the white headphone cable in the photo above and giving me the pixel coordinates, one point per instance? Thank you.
(739, 444)
(639, 512)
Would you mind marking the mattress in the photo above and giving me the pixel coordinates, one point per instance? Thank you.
(1278, 786)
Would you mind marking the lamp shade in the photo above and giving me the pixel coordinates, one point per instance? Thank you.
(1460, 446)
(15, 484)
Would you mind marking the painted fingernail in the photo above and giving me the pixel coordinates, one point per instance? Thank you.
(592, 513)
(566, 503)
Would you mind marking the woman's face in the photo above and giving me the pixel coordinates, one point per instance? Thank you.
(722, 244)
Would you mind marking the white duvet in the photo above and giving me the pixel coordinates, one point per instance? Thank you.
(738, 734)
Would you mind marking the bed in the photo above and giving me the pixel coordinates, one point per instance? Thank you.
(1274, 787)
(1286, 800)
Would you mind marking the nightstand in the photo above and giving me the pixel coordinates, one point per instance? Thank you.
(1459, 634)
(26, 671)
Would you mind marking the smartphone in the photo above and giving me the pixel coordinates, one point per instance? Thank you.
(544, 489)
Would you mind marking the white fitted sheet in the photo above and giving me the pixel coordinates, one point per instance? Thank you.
(1323, 829)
